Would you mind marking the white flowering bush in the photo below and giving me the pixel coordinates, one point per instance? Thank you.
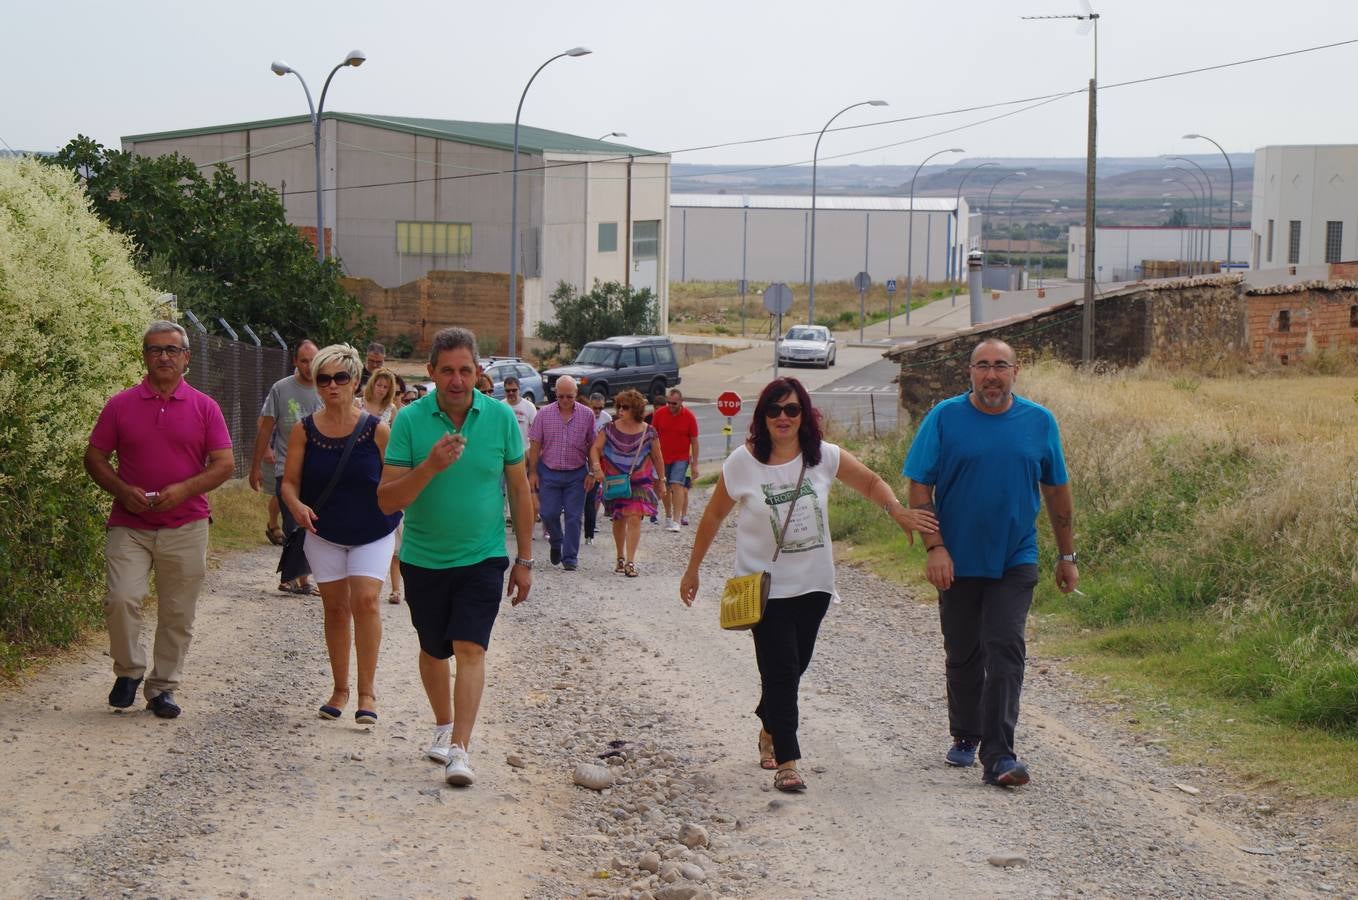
(72, 312)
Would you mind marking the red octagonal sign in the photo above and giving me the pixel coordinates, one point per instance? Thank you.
(728, 404)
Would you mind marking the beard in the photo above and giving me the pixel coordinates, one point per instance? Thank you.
(997, 402)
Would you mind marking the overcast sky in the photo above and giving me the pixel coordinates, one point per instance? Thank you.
(684, 75)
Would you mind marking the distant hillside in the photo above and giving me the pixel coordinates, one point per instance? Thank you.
(1131, 189)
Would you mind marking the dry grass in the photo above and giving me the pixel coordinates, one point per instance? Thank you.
(713, 307)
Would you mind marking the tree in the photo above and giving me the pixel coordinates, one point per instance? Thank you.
(72, 310)
(610, 308)
(223, 246)
(1177, 219)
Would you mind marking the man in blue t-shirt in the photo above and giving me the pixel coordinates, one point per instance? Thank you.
(984, 462)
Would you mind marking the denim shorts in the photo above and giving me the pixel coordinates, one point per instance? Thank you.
(676, 473)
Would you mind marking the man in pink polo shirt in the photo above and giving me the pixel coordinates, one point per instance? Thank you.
(172, 447)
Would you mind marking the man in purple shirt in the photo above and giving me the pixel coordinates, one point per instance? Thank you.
(558, 455)
(173, 447)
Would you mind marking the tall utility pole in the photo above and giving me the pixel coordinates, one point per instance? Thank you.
(1088, 19)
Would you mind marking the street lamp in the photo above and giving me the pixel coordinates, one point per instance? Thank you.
(815, 157)
(957, 205)
(613, 134)
(1185, 230)
(1205, 220)
(910, 233)
(1035, 187)
(1211, 199)
(1230, 212)
(1197, 200)
(514, 205)
(278, 67)
(989, 194)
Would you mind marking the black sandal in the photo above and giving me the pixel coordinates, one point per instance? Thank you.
(789, 781)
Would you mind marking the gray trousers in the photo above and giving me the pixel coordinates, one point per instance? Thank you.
(983, 621)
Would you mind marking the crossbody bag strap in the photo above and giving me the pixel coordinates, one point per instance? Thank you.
(796, 495)
(343, 460)
(640, 446)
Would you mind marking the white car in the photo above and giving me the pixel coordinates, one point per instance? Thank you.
(807, 345)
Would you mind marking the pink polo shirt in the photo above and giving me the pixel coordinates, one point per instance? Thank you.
(158, 443)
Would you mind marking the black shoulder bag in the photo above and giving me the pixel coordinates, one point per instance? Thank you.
(292, 564)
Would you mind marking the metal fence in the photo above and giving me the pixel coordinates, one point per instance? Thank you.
(862, 414)
(236, 374)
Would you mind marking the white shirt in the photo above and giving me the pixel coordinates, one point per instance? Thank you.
(602, 418)
(524, 412)
(762, 494)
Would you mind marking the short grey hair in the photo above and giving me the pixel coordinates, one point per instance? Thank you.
(452, 338)
(675, 392)
(597, 396)
(511, 379)
(346, 356)
(159, 326)
(375, 347)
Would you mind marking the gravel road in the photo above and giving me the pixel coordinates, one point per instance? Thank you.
(249, 794)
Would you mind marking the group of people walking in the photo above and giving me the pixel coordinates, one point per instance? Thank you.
(979, 469)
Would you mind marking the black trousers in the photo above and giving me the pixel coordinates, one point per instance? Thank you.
(783, 643)
(591, 510)
(983, 621)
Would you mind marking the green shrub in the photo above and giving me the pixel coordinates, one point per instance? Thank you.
(72, 311)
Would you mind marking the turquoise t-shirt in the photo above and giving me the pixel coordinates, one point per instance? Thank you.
(458, 519)
(985, 470)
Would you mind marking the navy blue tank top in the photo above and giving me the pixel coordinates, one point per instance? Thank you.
(350, 515)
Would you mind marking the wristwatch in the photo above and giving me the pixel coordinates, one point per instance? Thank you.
(526, 563)
(1067, 557)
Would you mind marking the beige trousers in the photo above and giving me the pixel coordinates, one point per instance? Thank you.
(179, 557)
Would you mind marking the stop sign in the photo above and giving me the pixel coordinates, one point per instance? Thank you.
(728, 404)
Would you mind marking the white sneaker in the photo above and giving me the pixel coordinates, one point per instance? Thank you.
(668, 523)
(438, 748)
(671, 525)
(458, 772)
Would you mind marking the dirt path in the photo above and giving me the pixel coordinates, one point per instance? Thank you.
(250, 795)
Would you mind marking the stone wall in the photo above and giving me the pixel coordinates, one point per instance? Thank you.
(418, 309)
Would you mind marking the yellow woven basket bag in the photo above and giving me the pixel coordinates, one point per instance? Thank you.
(745, 596)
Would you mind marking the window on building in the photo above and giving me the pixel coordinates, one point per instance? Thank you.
(1268, 248)
(1334, 241)
(646, 239)
(434, 238)
(608, 237)
(1284, 320)
(1294, 241)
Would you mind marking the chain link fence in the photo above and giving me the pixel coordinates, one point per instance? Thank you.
(236, 374)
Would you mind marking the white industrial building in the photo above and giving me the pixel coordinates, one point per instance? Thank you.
(405, 196)
(759, 238)
(1121, 251)
(1305, 205)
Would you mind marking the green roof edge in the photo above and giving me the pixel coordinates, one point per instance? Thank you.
(392, 124)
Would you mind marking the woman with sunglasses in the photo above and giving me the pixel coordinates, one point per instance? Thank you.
(628, 446)
(784, 458)
(349, 540)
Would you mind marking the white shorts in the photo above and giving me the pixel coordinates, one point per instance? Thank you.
(334, 562)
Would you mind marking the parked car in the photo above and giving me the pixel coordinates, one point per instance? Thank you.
(498, 368)
(644, 363)
(807, 345)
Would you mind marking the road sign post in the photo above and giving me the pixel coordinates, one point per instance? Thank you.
(862, 281)
(728, 404)
(777, 300)
(890, 302)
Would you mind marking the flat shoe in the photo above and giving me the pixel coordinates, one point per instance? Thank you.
(767, 760)
(789, 781)
(330, 712)
(365, 717)
(275, 535)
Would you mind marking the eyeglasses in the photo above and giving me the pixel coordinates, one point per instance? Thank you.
(169, 350)
(1000, 367)
(511, 390)
(339, 378)
(791, 410)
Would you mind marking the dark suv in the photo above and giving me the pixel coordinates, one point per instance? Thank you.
(646, 364)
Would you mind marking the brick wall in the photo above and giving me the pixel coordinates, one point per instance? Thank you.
(418, 309)
(1292, 321)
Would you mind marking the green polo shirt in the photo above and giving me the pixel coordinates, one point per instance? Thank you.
(458, 519)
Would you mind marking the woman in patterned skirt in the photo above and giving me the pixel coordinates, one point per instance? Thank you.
(628, 446)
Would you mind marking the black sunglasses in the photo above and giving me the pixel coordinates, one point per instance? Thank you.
(791, 410)
(338, 378)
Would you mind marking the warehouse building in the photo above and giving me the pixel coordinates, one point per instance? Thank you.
(727, 237)
(1134, 252)
(408, 196)
(1305, 206)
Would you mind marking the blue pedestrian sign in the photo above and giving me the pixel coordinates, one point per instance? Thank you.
(891, 285)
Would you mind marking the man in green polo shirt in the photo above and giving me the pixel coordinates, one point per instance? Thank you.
(446, 455)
